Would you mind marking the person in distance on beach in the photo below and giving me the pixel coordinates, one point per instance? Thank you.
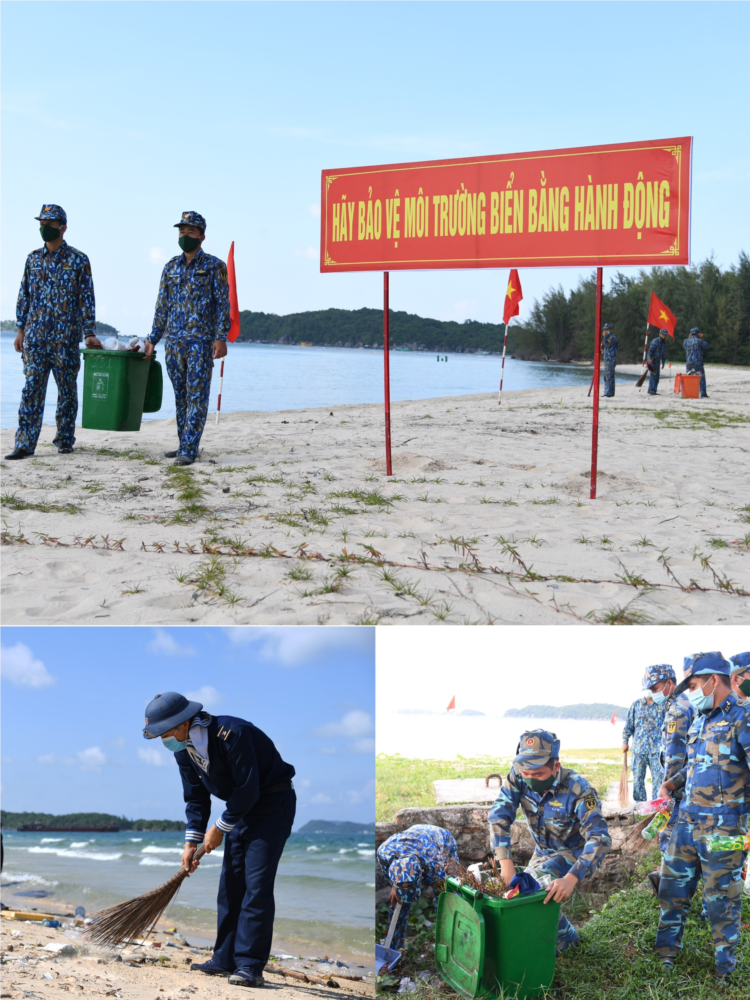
(609, 349)
(192, 311)
(55, 307)
(657, 358)
(564, 816)
(695, 348)
(644, 724)
(235, 761)
(716, 783)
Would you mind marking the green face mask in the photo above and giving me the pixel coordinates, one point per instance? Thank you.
(541, 786)
(49, 233)
(188, 243)
(745, 688)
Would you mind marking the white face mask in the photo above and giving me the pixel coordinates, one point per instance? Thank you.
(700, 700)
(658, 697)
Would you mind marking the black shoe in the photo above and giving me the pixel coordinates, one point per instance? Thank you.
(654, 878)
(704, 396)
(246, 977)
(211, 968)
(653, 393)
(171, 454)
(183, 460)
(64, 451)
(18, 453)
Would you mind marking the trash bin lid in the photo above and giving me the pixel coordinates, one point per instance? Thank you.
(459, 944)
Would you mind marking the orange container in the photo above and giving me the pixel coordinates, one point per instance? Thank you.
(690, 386)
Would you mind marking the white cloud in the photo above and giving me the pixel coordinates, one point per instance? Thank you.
(46, 758)
(20, 667)
(313, 209)
(155, 756)
(364, 746)
(355, 723)
(157, 256)
(164, 642)
(92, 759)
(291, 647)
(311, 253)
(320, 800)
(208, 696)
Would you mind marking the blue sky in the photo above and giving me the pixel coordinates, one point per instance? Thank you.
(74, 698)
(233, 109)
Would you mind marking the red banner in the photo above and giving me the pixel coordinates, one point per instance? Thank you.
(627, 203)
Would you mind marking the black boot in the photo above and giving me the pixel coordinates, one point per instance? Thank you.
(170, 454)
(655, 878)
(18, 453)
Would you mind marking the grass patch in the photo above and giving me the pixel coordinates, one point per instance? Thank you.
(190, 493)
(14, 502)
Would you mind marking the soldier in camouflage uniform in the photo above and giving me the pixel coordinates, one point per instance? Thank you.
(715, 780)
(563, 814)
(55, 309)
(409, 858)
(740, 673)
(657, 356)
(644, 724)
(610, 349)
(192, 310)
(695, 347)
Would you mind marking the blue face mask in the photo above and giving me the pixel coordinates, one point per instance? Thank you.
(700, 701)
(172, 744)
(658, 697)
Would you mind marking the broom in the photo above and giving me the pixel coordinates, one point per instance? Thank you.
(624, 792)
(134, 917)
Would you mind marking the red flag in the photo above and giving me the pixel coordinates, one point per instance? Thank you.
(234, 309)
(452, 703)
(613, 720)
(512, 296)
(659, 315)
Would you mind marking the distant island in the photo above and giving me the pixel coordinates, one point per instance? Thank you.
(7, 325)
(336, 826)
(596, 712)
(92, 822)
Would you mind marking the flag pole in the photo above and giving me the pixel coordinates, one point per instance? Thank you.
(387, 375)
(645, 348)
(597, 372)
(221, 386)
(502, 366)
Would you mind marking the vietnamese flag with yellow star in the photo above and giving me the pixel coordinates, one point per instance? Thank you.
(513, 296)
(659, 315)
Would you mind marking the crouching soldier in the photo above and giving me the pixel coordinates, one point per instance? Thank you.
(716, 781)
(232, 760)
(409, 858)
(564, 816)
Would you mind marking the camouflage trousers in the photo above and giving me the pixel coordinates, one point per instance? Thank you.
(189, 366)
(700, 369)
(41, 357)
(609, 378)
(686, 856)
(559, 866)
(653, 378)
(642, 760)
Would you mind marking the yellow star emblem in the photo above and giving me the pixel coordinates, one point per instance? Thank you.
(663, 315)
(510, 291)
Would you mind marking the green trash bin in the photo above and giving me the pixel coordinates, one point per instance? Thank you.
(485, 945)
(114, 389)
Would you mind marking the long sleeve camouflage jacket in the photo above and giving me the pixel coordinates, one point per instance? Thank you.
(193, 300)
(644, 724)
(56, 298)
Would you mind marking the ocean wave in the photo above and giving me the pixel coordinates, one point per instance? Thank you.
(26, 877)
(51, 840)
(74, 854)
(157, 861)
(364, 845)
(81, 843)
(312, 847)
(370, 885)
(162, 850)
(367, 854)
(136, 840)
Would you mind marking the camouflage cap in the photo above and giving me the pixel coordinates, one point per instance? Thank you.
(701, 664)
(656, 673)
(535, 748)
(192, 219)
(406, 875)
(663, 330)
(740, 662)
(52, 213)
(696, 329)
(607, 326)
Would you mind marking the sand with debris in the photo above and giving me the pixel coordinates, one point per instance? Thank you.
(31, 968)
(288, 517)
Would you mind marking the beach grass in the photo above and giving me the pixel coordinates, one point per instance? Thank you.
(403, 782)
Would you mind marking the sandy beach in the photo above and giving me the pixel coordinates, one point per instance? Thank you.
(56, 962)
(288, 517)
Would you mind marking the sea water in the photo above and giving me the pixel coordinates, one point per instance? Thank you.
(324, 888)
(275, 377)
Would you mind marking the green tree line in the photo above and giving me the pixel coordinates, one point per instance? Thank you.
(11, 820)
(596, 711)
(561, 327)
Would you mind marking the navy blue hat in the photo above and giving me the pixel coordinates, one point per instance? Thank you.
(191, 219)
(740, 663)
(607, 326)
(535, 748)
(167, 711)
(52, 213)
(664, 330)
(701, 664)
(696, 329)
(658, 672)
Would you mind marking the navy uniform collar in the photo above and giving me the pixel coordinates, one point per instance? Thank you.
(729, 703)
(53, 253)
(199, 254)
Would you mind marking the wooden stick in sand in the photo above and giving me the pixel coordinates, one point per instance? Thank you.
(133, 918)
(624, 793)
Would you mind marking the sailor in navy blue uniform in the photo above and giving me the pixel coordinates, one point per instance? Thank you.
(232, 760)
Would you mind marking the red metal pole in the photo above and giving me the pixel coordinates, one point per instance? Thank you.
(502, 367)
(387, 375)
(597, 370)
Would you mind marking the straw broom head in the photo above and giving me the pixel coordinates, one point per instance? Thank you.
(635, 840)
(134, 917)
(624, 792)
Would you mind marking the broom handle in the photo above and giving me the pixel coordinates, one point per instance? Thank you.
(392, 928)
(199, 853)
